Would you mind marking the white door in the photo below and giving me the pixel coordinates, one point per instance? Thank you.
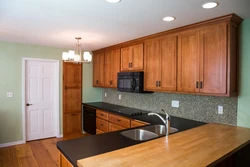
(40, 107)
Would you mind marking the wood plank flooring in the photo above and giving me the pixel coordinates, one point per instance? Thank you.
(39, 153)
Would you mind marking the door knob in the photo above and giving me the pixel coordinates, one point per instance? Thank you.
(28, 104)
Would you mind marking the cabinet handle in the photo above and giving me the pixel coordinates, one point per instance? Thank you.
(201, 85)
(111, 82)
(118, 120)
(159, 83)
(197, 84)
(101, 114)
(131, 64)
(156, 83)
(73, 114)
(101, 124)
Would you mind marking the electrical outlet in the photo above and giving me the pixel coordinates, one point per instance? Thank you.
(220, 109)
(175, 103)
(120, 97)
(105, 94)
(9, 94)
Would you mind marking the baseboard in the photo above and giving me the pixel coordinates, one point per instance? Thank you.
(59, 136)
(12, 143)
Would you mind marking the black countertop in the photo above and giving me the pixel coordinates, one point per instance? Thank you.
(88, 146)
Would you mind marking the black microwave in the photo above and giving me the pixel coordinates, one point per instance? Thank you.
(131, 82)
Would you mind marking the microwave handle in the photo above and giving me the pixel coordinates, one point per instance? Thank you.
(133, 84)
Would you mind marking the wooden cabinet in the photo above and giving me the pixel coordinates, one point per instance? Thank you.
(213, 59)
(132, 58)
(72, 99)
(99, 132)
(114, 127)
(203, 60)
(98, 70)
(102, 114)
(160, 64)
(63, 162)
(112, 67)
(102, 125)
(188, 61)
(137, 123)
(121, 121)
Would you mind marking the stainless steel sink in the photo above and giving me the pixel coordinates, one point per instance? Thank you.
(159, 129)
(139, 134)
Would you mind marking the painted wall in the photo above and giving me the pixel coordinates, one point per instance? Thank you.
(11, 80)
(243, 118)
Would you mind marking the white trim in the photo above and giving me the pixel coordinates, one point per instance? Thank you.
(56, 97)
(60, 136)
(12, 143)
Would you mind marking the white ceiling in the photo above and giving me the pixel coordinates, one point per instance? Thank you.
(101, 24)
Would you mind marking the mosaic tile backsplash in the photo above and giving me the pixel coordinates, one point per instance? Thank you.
(200, 108)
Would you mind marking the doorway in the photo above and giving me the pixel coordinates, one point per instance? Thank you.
(40, 98)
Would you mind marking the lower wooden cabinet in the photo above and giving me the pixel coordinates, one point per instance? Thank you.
(72, 123)
(63, 162)
(137, 123)
(121, 121)
(99, 131)
(113, 127)
(102, 125)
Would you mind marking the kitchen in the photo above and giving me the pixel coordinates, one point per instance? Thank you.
(196, 105)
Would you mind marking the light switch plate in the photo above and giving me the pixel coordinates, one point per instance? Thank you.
(120, 97)
(175, 103)
(105, 94)
(9, 94)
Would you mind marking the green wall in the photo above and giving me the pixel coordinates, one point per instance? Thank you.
(243, 117)
(11, 80)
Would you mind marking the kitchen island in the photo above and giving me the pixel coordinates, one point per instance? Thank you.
(207, 145)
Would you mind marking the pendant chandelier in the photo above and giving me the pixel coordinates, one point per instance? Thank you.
(75, 56)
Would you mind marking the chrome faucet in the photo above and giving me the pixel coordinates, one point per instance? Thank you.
(166, 122)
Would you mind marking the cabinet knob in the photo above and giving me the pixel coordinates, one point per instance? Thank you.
(201, 85)
(131, 64)
(28, 104)
(159, 83)
(197, 84)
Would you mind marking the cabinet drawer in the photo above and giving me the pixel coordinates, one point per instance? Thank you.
(121, 121)
(136, 123)
(102, 125)
(114, 127)
(98, 131)
(102, 114)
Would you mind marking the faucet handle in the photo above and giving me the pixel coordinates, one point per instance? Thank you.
(165, 112)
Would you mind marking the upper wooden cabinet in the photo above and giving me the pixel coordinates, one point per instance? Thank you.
(112, 67)
(98, 70)
(132, 58)
(160, 63)
(188, 61)
(203, 60)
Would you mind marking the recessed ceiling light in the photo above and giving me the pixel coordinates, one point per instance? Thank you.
(210, 5)
(113, 1)
(169, 18)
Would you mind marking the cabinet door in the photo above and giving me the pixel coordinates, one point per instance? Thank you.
(188, 61)
(125, 59)
(72, 123)
(168, 52)
(116, 67)
(114, 127)
(108, 68)
(213, 59)
(152, 69)
(98, 69)
(137, 57)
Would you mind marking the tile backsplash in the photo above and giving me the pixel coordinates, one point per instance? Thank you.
(195, 107)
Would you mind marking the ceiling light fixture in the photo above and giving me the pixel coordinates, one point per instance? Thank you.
(169, 18)
(210, 5)
(75, 56)
(113, 1)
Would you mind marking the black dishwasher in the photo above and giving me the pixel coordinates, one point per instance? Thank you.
(89, 120)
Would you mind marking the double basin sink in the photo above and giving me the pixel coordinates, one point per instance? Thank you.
(147, 133)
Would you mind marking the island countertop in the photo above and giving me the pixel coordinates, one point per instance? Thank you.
(205, 145)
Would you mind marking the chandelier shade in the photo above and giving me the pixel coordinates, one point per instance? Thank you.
(76, 56)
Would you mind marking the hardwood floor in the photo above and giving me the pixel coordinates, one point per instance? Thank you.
(39, 153)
